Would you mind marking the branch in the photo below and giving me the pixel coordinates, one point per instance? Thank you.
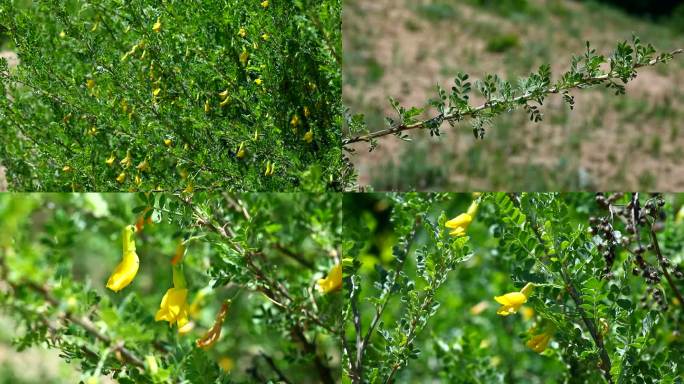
(660, 258)
(452, 116)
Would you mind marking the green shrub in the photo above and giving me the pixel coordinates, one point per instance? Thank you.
(97, 81)
(502, 43)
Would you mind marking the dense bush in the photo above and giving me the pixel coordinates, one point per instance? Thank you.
(143, 95)
(533, 288)
(213, 289)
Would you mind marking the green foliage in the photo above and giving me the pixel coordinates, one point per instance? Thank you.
(432, 294)
(502, 43)
(264, 252)
(97, 80)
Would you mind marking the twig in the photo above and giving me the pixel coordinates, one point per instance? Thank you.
(660, 258)
(493, 104)
(274, 367)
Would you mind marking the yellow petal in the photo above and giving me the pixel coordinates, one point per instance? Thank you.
(513, 298)
(333, 281)
(461, 220)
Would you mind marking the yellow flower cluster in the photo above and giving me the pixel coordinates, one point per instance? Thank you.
(512, 301)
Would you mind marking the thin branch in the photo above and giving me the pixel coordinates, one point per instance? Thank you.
(453, 116)
(660, 258)
(274, 367)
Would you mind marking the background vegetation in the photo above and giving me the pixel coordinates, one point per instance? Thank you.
(227, 94)
(404, 49)
(263, 251)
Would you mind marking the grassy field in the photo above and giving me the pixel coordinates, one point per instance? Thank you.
(403, 49)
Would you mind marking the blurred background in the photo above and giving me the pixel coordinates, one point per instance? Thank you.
(404, 48)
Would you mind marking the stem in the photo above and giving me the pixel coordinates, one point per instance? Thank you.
(379, 310)
(660, 258)
(456, 116)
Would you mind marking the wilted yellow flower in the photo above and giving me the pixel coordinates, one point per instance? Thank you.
(270, 168)
(264, 3)
(214, 333)
(144, 166)
(511, 302)
(479, 308)
(125, 272)
(225, 102)
(258, 81)
(157, 26)
(110, 160)
(308, 136)
(333, 281)
(244, 56)
(207, 106)
(127, 161)
(307, 112)
(168, 142)
(138, 180)
(538, 343)
(223, 95)
(242, 32)
(121, 178)
(90, 83)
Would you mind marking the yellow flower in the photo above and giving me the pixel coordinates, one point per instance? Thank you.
(223, 95)
(459, 224)
(66, 169)
(472, 209)
(294, 121)
(226, 363)
(242, 32)
(207, 106)
(265, 36)
(174, 304)
(127, 161)
(168, 142)
(308, 136)
(92, 131)
(244, 56)
(90, 83)
(527, 313)
(62, 34)
(680, 215)
(125, 272)
(156, 91)
(225, 102)
(157, 26)
(144, 166)
(538, 343)
(121, 178)
(307, 113)
(258, 81)
(511, 302)
(110, 160)
(270, 168)
(333, 281)
(241, 150)
(264, 3)
(174, 307)
(138, 180)
(189, 188)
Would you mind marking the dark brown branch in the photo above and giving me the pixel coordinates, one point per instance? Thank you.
(660, 257)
